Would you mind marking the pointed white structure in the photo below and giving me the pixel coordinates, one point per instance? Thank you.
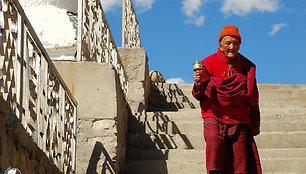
(55, 22)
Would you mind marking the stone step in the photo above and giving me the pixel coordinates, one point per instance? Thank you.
(171, 127)
(173, 86)
(282, 153)
(166, 154)
(275, 94)
(260, 86)
(278, 100)
(170, 140)
(190, 115)
(265, 140)
(199, 155)
(276, 97)
(282, 126)
(159, 104)
(283, 116)
(286, 115)
(165, 167)
(278, 86)
(268, 91)
(165, 141)
(263, 94)
(167, 127)
(175, 106)
(284, 166)
(294, 139)
(189, 102)
(181, 99)
(283, 103)
(267, 103)
(278, 165)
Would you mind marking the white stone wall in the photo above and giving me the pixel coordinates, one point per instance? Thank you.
(70, 5)
(54, 21)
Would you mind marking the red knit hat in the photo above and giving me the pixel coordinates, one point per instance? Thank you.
(230, 30)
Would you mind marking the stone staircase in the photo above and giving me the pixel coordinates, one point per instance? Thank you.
(168, 138)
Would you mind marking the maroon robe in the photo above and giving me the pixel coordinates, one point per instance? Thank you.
(232, 100)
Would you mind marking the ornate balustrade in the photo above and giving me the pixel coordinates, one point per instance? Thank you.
(95, 40)
(33, 88)
(130, 26)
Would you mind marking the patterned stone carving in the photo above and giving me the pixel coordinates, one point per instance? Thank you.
(96, 40)
(34, 89)
(130, 26)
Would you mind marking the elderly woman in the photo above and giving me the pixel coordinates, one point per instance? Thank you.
(227, 90)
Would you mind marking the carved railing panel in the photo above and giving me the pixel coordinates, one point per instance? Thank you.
(130, 26)
(96, 42)
(33, 88)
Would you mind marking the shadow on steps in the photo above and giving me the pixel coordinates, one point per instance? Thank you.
(149, 145)
(168, 97)
(153, 135)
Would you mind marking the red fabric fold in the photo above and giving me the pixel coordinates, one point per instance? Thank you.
(230, 91)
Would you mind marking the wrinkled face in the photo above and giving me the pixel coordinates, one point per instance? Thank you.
(229, 45)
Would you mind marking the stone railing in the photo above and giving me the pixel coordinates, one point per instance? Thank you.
(34, 90)
(130, 26)
(95, 40)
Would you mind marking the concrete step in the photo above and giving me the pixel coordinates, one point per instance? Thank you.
(275, 166)
(181, 99)
(184, 102)
(282, 153)
(199, 155)
(260, 86)
(277, 96)
(190, 115)
(284, 95)
(165, 167)
(171, 127)
(186, 86)
(167, 127)
(282, 126)
(283, 103)
(159, 104)
(294, 139)
(263, 94)
(278, 91)
(170, 140)
(278, 86)
(281, 93)
(165, 141)
(284, 166)
(286, 115)
(166, 154)
(266, 140)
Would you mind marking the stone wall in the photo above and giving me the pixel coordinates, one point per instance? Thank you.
(102, 116)
(135, 63)
(17, 149)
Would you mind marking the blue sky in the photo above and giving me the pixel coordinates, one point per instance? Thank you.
(177, 32)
